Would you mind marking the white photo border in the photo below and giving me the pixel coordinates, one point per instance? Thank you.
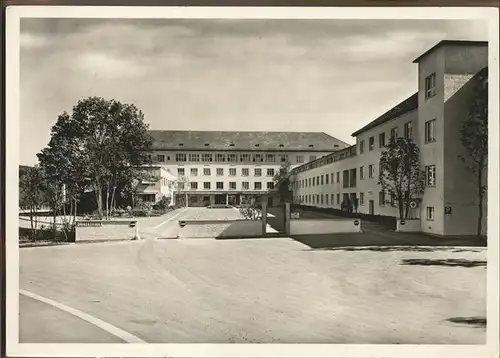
(16, 349)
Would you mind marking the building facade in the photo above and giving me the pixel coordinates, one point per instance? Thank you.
(162, 184)
(230, 167)
(432, 117)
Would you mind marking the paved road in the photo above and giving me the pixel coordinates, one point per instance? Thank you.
(273, 290)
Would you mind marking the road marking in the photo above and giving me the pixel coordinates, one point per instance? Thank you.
(170, 218)
(108, 327)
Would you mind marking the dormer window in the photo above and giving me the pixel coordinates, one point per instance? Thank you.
(257, 145)
(231, 145)
(281, 145)
(181, 144)
(336, 146)
(206, 144)
(311, 145)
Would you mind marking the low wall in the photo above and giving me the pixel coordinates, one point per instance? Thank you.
(408, 225)
(105, 230)
(324, 226)
(221, 229)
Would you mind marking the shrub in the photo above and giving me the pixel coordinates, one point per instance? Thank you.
(251, 211)
(163, 204)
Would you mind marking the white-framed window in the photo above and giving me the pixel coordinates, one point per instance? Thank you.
(220, 185)
(194, 157)
(322, 179)
(430, 86)
(430, 175)
(194, 185)
(206, 185)
(220, 158)
(371, 171)
(245, 172)
(408, 130)
(270, 172)
(338, 177)
(394, 133)
(361, 198)
(270, 185)
(327, 179)
(283, 158)
(270, 158)
(361, 146)
(220, 172)
(245, 158)
(181, 171)
(245, 185)
(257, 172)
(207, 172)
(207, 157)
(430, 131)
(429, 213)
(181, 185)
(381, 140)
(312, 157)
(160, 158)
(232, 158)
(232, 172)
(257, 185)
(194, 172)
(338, 198)
(361, 173)
(332, 199)
(371, 143)
(232, 185)
(180, 157)
(258, 158)
(381, 198)
(300, 159)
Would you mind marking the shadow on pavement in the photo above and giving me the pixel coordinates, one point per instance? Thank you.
(478, 322)
(444, 262)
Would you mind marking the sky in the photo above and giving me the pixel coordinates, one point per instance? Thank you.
(331, 76)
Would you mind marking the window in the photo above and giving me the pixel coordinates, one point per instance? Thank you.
(206, 185)
(257, 172)
(361, 173)
(258, 158)
(381, 140)
(220, 158)
(220, 172)
(371, 143)
(338, 199)
(181, 185)
(160, 158)
(207, 172)
(270, 172)
(381, 198)
(270, 185)
(245, 185)
(180, 157)
(352, 178)
(232, 185)
(194, 157)
(430, 128)
(270, 158)
(245, 172)
(309, 181)
(326, 198)
(245, 158)
(430, 86)
(331, 178)
(232, 172)
(361, 198)
(394, 133)
(393, 199)
(361, 146)
(205, 157)
(338, 177)
(408, 130)
(300, 159)
(332, 199)
(345, 179)
(322, 180)
(430, 175)
(317, 180)
(326, 179)
(194, 185)
(312, 157)
(321, 199)
(370, 171)
(283, 158)
(194, 172)
(181, 171)
(314, 181)
(258, 185)
(429, 213)
(220, 185)
(232, 158)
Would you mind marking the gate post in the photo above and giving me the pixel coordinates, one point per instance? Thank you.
(287, 218)
(264, 214)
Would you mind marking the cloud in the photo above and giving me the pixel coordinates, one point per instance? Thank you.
(106, 66)
(29, 40)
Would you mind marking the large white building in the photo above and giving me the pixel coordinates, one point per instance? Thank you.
(433, 117)
(219, 167)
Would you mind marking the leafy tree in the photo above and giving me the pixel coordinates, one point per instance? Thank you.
(400, 173)
(100, 146)
(31, 194)
(474, 138)
(283, 180)
(182, 188)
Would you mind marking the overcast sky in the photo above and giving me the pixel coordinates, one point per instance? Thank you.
(280, 75)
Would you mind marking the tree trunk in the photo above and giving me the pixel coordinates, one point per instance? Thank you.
(107, 202)
(98, 193)
(31, 222)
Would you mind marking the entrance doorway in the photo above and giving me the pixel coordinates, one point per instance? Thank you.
(371, 207)
(206, 200)
(220, 199)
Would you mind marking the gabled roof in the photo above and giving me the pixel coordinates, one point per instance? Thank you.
(450, 42)
(408, 105)
(245, 141)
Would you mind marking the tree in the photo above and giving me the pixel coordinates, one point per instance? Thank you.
(474, 138)
(182, 185)
(400, 173)
(283, 180)
(31, 194)
(101, 145)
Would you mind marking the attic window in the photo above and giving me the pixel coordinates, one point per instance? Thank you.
(336, 146)
(206, 144)
(311, 145)
(257, 145)
(281, 145)
(231, 145)
(181, 144)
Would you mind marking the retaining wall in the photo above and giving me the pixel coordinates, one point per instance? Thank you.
(408, 225)
(105, 230)
(324, 226)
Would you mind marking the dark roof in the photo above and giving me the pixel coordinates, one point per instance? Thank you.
(248, 141)
(408, 105)
(450, 42)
